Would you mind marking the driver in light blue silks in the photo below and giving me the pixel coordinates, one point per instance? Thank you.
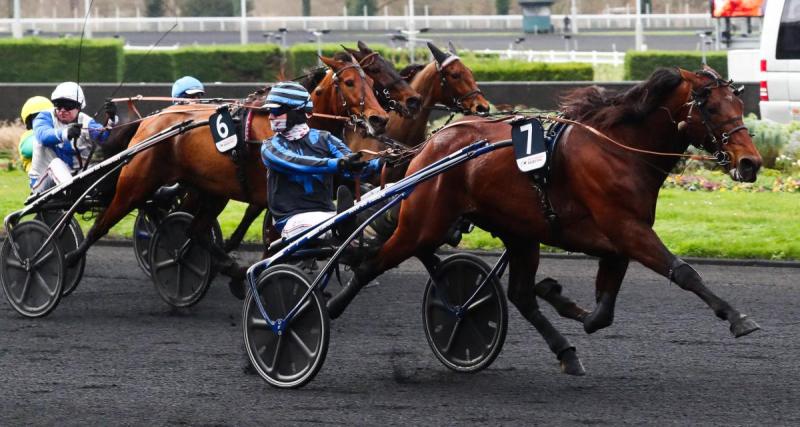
(301, 162)
(188, 87)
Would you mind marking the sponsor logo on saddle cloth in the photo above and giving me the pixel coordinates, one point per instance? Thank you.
(223, 129)
(527, 135)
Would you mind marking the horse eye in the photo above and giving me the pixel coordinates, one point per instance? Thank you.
(455, 75)
(350, 83)
(712, 110)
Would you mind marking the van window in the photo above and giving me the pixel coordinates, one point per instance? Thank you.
(789, 31)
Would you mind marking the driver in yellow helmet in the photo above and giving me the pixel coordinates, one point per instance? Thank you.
(30, 109)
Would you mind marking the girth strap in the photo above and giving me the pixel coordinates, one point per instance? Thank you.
(239, 154)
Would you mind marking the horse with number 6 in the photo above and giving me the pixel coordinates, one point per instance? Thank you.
(605, 174)
(192, 159)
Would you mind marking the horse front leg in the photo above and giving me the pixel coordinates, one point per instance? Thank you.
(523, 263)
(129, 194)
(643, 245)
(608, 282)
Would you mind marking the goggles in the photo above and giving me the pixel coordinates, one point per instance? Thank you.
(66, 104)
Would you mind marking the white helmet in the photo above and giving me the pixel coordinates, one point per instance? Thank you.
(71, 91)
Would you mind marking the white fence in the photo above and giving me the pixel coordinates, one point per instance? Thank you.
(354, 23)
(592, 57)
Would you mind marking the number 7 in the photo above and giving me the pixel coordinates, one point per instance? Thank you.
(528, 128)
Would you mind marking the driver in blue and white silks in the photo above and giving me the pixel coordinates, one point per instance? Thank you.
(55, 157)
(301, 162)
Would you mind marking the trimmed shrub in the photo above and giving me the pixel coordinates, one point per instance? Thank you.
(639, 65)
(511, 70)
(229, 63)
(156, 66)
(769, 138)
(33, 59)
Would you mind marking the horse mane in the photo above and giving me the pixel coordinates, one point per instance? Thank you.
(410, 71)
(596, 106)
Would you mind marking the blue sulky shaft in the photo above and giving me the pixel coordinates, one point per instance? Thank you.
(391, 195)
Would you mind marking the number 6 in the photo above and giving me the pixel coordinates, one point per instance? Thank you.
(222, 128)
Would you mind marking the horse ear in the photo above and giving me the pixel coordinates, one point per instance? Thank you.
(354, 53)
(451, 48)
(330, 62)
(363, 47)
(438, 55)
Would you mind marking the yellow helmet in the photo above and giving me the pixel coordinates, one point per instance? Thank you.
(34, 105)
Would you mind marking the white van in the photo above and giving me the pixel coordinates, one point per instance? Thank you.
(780, 61)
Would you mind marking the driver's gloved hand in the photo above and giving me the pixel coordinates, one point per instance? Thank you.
(74, 131)
(351, 163)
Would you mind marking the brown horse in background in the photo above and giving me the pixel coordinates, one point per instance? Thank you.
(401, 98)
(451, 85)
(192, 159)
(604, 194)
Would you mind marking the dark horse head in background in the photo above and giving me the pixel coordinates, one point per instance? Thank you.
(603, 194)
(391, 89)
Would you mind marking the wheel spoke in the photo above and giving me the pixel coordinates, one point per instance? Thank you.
(179, 282)
(197, 272)
(25, 288)
(256, 321)
(480, 301)
(42, 258)
(164, 264)
(14, 263)
(452, 337)
(300, 343)
(303, 308)
(43, 284)
(278, 347)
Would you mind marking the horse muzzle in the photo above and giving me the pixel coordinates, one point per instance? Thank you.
(746, 169)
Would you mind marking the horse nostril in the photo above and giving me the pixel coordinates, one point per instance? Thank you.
(413, 104)
(378, 122)
(748, 169)
(482, 108)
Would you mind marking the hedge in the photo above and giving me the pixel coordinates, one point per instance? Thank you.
(153, 67)
(34, 59)
(511, 70)
(232, 63)
(639, 65)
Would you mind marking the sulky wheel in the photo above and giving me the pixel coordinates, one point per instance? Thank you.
(292, 357)
(143, 229)
(32, 286)
(68, 241)
(180, 267)
(465, 339)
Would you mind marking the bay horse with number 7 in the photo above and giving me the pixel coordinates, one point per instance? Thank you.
(604, 194)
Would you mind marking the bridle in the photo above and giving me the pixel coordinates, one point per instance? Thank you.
(698, 100)
(340, 94)
(382, 92)
(458, 102)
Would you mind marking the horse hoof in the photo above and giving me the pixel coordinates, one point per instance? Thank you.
(237, 288)
(571, 364)
(743, 326)
(592, 324)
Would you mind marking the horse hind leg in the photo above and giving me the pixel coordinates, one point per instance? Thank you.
(250, 214)
(550, 291)
(523, 263)
(200, 231)
(608, 282)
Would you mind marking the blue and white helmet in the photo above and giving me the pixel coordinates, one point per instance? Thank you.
(291, 95)
(187, 85)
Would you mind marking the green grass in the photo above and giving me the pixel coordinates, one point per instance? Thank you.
(715, 224)
(14, 190)
(691, 223)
